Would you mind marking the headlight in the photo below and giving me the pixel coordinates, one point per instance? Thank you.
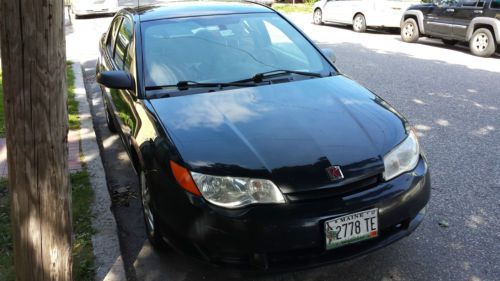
(403, 158)
(232, 192)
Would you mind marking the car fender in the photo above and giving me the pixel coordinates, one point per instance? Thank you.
(494, 23)
(420, 19)
(320, 4)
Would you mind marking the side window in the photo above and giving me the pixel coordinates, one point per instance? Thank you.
(110, 44)
(469, 3)
(448, 3)
(495, 4)
(123, 40)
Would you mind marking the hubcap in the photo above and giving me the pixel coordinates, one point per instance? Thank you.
(358, 23)
(317, 16)
(146, 205)
(481, 42)
(408, 30)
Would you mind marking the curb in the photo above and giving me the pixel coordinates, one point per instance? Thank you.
(108, 261)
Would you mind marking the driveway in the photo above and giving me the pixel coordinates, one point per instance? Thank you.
(450, 96)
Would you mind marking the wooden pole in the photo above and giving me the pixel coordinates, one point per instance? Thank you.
(34, 80)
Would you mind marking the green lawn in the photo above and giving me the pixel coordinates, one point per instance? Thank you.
(297, 8)
(74, 120)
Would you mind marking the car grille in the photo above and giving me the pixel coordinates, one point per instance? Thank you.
(342, 190)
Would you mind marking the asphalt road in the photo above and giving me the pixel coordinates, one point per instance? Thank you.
(450, 96)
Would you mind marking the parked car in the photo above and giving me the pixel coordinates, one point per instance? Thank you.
(94, 7)
(251, 148)
(474, 21)
(268, 3)
(361, 13)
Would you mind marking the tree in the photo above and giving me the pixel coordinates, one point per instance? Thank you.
(34, 64)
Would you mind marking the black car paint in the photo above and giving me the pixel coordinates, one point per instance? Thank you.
(451, 22)
(368, 124)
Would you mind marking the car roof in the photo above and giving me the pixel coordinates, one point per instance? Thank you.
(178, 9)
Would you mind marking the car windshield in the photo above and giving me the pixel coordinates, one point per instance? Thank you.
(224, 48)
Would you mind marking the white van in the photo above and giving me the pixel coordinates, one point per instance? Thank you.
(361, 13)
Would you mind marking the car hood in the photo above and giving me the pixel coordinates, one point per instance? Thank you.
(289, 133)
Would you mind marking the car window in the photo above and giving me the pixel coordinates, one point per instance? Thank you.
(123, 40)
(224, 48)
(447, 3)
(495, 4)
(110, 44)
(469, 3)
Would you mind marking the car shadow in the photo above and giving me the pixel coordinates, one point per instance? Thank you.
(461, 46)
(369, 30)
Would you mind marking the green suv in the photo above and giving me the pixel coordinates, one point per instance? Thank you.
(453, 21)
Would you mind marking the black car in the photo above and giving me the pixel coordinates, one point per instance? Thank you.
(252, 150)
(473, 21)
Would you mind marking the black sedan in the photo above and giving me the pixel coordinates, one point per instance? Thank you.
(252, 150)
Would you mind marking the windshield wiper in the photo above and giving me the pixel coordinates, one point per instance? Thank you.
(186, 85)
(259, 77)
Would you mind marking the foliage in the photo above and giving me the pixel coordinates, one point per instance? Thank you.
(297, 8)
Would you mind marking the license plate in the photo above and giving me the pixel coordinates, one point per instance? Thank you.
(351, 228)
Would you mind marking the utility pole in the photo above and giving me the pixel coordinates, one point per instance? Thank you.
(34, 79)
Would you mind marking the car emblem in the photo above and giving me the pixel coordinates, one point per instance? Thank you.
(335, 173)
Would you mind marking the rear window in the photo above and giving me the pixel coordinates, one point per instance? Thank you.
(495, 4)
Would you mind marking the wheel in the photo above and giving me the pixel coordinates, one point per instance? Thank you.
(482, 43)
(318, 17)
(153, 230)
(359, 23)
(449, 42)
(409, 31)
(109, 120)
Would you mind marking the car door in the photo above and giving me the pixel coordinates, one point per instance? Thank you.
(331, 10)
(440, 20)
(464, 14)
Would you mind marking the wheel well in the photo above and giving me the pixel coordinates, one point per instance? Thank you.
(358, 13)
(487, 26)
(414, 18)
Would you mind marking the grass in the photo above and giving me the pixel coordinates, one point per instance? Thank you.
(83, 256)
(74, 119)
(297, 8)
(6, 258)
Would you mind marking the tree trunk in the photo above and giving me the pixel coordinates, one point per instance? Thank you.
(34, 79)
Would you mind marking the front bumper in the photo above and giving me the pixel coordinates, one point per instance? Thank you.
(291, 236)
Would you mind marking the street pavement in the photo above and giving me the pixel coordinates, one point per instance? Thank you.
(453, 100)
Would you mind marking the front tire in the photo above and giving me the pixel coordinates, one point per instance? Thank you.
(409, 31)
(318, 17)
(482, 43)
(153, 230)
(359, 23)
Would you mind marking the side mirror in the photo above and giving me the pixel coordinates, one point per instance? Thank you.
(329, 54)
(120, 80)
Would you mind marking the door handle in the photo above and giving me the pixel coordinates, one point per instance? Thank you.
(478, 11)
(450, 10)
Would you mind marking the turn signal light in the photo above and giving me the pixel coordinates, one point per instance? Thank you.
(184, 179)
